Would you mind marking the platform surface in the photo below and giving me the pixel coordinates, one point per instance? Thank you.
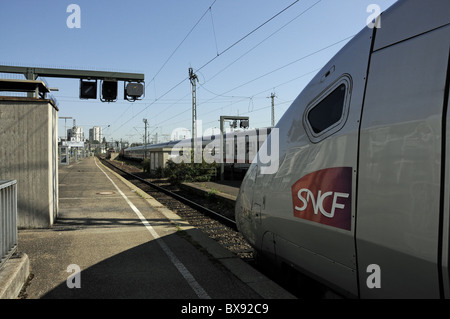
(111, 241)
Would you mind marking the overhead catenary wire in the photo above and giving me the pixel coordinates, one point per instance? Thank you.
(226, 94)
(241, 85)
(265, 39)
(156, 100)
(255, 79)
(237, 101)
(278, 69)
(214, 30)
(182, 41)
(247, 35)
(211, 60)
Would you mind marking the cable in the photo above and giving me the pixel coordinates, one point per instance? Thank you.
(228, 48)
(272, 34)
(247, 35)
(279, 68)
(286, 65)
(219, 54)
(221, 95)
(214, 30)
(243, 98)
(254, 47)
(179, 45)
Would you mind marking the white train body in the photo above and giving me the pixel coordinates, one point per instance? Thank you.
(361, 197)
(239, 149)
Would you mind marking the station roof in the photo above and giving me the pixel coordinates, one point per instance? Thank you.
(12, 85)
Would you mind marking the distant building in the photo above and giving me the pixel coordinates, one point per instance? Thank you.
(95, 134)
(75, 134)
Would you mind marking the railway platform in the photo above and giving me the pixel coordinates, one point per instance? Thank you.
(111, 241)
(226, 191)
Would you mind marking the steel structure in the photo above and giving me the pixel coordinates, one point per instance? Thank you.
(32, 73)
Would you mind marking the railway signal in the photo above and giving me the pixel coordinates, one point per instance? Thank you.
(133, 82)
(133, 91)
(109, 91)
(244, 124)
(88, 89)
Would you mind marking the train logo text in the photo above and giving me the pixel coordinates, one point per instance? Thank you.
(305, 195)
(324, 197)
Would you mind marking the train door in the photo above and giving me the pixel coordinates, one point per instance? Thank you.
(399, 231)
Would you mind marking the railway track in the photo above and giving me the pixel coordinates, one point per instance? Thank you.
(213, 218)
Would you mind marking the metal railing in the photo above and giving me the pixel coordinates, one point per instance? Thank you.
(8, 219)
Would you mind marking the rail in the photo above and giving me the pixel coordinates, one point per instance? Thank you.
(8, 219)
(223, 219)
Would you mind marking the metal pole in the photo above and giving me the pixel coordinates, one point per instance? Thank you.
(31, 73)
(193, 78)
(273, 109)
(145, 139)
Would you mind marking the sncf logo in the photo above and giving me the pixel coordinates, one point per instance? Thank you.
(306, 196)
(325, 197)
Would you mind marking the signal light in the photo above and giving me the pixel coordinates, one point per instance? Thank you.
(133, 91)
(109, 91)
(88, 89)
(244, 124)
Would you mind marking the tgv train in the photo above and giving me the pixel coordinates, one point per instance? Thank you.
(361, 197)
(240, 148)
(139, 152)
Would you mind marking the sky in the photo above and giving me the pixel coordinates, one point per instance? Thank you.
(242, 51)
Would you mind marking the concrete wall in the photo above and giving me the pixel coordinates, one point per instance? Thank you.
(158, 157)
(29, 154)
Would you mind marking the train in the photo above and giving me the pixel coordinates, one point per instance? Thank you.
(239, 149)
(360, 198)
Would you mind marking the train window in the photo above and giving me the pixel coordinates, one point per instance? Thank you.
(327, 113)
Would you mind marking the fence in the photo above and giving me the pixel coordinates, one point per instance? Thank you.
(8, 219)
